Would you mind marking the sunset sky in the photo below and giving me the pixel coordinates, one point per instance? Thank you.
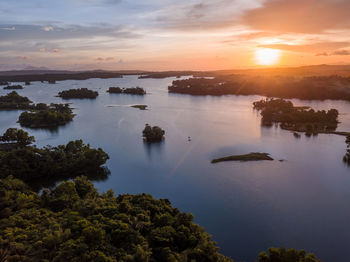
(172, 35)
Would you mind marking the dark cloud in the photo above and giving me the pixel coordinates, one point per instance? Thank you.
(300, 16)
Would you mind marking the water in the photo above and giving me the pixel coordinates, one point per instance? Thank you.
(302, 202)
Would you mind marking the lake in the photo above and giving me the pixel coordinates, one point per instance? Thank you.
(302, 202)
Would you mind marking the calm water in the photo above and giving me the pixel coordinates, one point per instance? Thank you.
(303, 202)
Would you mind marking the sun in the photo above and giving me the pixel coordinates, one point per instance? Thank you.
(266, 56)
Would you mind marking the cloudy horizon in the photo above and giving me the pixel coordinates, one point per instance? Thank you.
(163, 35)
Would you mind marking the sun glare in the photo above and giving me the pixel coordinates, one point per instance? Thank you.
(265, 56)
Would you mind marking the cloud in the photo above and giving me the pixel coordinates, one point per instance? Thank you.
(299, 16)
(48, 28)
(316, 47)
(107, 59)
(203, 15)
(23, 57)
(337, 52)
(8, 28)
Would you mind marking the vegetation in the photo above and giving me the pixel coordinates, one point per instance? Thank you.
(73, 222)
(300, 119)
(346, 157)
(247, 157)
(46, 116)
(78, 93)
(17, 137)
(27, 83)
(2, 83)
(9, 87)
(153, 134)
(52, 76)
(141, 107)
(290, 255)
(40, 167)
(131, 90)
(13, 101)
(316, 87)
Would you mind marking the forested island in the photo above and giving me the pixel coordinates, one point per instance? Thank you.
(13, 101)
(131, 90)
(46, 116)
(247, 157)
(153, 134)
(141, 107)
(45, 166)
(316, 87)
(79, 93)
(13, 87)
(301, 119)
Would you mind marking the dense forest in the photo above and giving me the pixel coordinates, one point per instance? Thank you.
(13, 101)
(318, 87)
(46, 116)
(78, 93)
(153, 134)
(302, 119)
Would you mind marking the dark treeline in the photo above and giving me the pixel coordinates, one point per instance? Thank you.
(321, 87)
(78, 93)
(46, 116)
(9, 87)
(13, 101)
(131, 90)
(302, 119)
(59, 76)
(45, 166)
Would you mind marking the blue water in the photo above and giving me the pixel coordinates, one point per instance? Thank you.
(302, 202)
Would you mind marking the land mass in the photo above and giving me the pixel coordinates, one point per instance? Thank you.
(80, 93)
(247, 157)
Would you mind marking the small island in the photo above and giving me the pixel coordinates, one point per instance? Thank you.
(13, 87)
(131, 91)
(4, 83)
(51, 81)
(46, 116)
(297, 119)
(13, 101)
(80, 93)
(153, 134)
(141, 107)
(247, 157)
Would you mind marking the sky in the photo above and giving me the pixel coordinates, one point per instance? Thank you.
(172, 35)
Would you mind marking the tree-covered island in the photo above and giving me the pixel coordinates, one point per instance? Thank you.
(13, 87)
(79, 93)
(300, 119)
(46, 116)
(45, 166)
(13, 101)
(153, 134)
(131, 90)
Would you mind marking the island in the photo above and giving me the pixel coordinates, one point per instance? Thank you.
(13, 101)
(27, 83)
(141, 107)
(298, 119)
(247, 157)
(4, 83)
(46, 116)
(13, 87)
(51, 81)
(257, 83)
(79, 93)
(132, 90)
(153, 134)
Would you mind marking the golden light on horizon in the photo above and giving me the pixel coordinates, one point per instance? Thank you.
(267, 56)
